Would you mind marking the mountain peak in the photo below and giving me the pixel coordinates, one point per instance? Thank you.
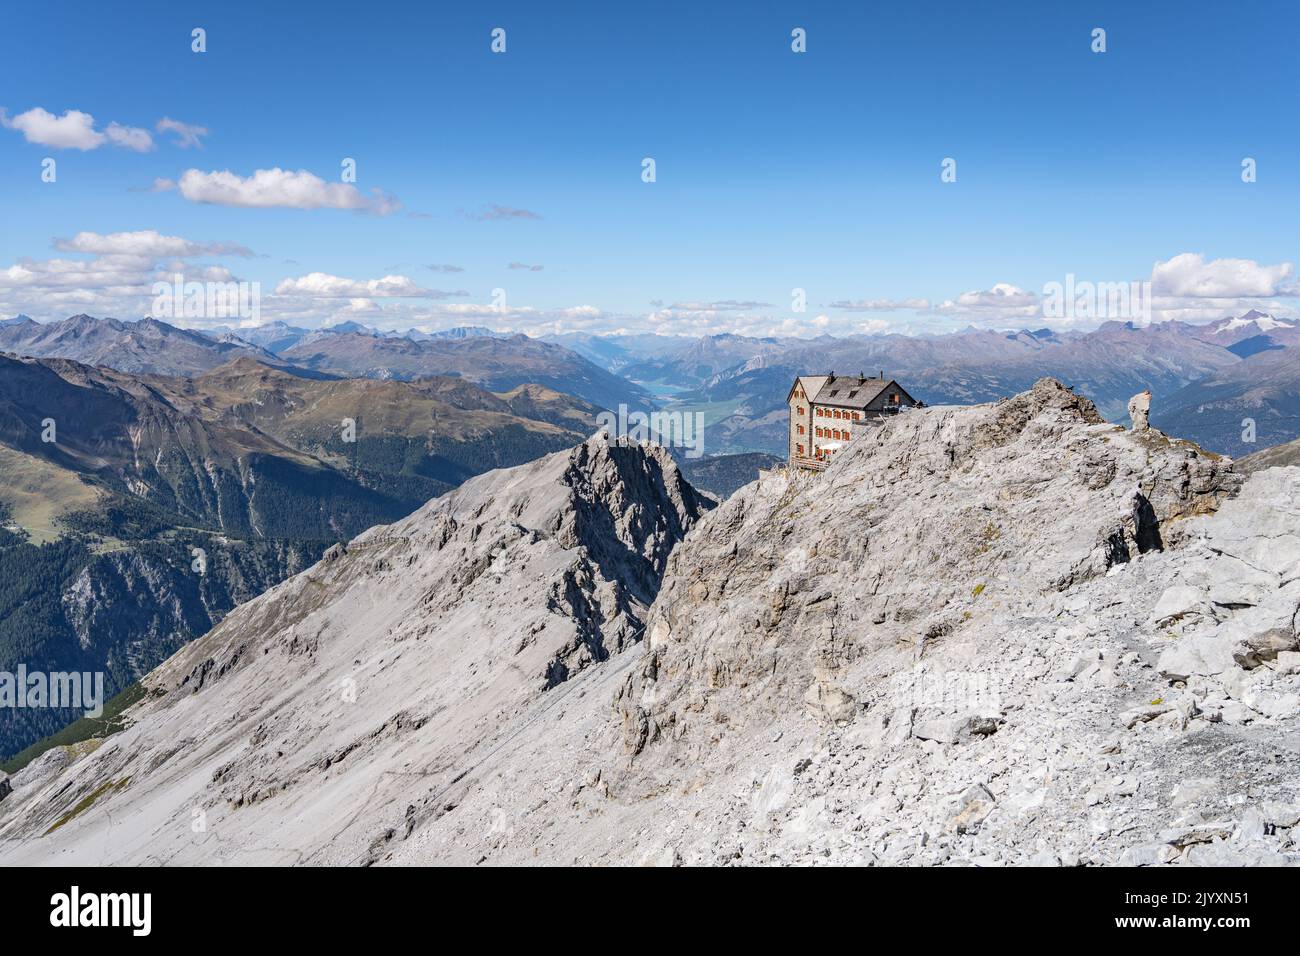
(474, 612)
(1262, 321)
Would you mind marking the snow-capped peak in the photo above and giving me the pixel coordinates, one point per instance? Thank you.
(1261, 320)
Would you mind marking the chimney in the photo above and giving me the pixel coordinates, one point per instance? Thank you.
(882, 374)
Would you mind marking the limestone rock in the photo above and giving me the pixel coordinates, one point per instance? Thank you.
(1139, 410)
(941, 650)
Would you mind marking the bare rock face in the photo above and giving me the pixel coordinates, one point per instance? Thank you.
(817, 583)
(340, 710)
(1000, 634)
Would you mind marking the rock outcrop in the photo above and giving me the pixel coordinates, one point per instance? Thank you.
(809, 585)
(1139, 411)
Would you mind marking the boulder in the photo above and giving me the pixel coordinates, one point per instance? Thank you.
(1201, 655)
(1177, 602)
(953, 730)
(973, 807)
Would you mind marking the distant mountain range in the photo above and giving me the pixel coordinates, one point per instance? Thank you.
(492, 360)
(278, 336)
(1206, 380)
(496, 363)
(145, 346)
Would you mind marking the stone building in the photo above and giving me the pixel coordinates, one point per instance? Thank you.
(826, 411)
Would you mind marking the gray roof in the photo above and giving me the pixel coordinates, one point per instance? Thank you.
(850, 391)
(812, 384)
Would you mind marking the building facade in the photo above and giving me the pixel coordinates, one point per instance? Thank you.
(827, 410)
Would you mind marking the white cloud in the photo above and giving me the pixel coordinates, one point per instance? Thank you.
(277, 188)
(323, 285)
(74, 130)
(1002, 302)
(129, 137)
(115, 277)
(187, 134)
(147, 243)
(874, 326)
(1189, 275)
(881, 305)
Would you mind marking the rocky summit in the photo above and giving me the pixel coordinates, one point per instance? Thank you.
(999, 634)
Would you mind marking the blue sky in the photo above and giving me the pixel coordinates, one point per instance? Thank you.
(774, 170)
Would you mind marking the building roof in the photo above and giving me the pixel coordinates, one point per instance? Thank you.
(849, 391)
(811, 385)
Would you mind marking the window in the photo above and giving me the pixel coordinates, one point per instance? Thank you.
(799, 449)
(894, 398)
(800, 429)
(856, 416)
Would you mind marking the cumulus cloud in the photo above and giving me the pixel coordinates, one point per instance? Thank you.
(1002, 301)
(277, 188)
(129, 137)
(147, 243)
(875, 326)
(323, 285)
(74, 130)
(109, 274)
(186, 134)
(1189, 275)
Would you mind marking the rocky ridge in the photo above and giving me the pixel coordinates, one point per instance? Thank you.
(989, 635)
(341, 709)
